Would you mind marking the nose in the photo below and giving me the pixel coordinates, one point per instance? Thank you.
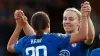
(66, 21)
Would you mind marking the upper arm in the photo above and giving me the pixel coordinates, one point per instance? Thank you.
(77, 37)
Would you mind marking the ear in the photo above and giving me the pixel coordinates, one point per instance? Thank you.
(48, 25)
(62, 24)
(78, 25)
(79, 22)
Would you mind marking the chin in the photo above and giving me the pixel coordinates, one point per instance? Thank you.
(69, 31)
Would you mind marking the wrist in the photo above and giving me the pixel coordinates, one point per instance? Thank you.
(88, 16)
(18, 26)
(26, 25)
(84, 16)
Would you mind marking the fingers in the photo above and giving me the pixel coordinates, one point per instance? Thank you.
(22, 13)
(18, 14)
(15, 14)
(86, 7)
(23, 16)
(86, 2)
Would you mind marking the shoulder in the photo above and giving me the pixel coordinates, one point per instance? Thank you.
(84, 45)
(59, 34)
(27, 37)
(95, 52)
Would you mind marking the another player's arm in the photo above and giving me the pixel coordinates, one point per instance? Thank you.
(91, 30)
(83, 32)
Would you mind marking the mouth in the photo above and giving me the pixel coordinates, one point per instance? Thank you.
(67, 26)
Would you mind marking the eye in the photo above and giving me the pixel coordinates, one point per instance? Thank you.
(65, 18)
(71, 18)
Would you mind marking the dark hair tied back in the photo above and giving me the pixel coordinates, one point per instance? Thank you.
(40, 22)
(39, 34)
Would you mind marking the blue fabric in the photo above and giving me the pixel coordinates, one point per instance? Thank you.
(47, 45)
(75, 49)
(95, 52)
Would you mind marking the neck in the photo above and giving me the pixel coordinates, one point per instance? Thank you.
(45, 31)
(72, 32)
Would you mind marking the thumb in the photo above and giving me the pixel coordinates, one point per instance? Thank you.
(24, 18)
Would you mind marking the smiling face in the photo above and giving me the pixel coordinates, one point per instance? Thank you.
(70, 22)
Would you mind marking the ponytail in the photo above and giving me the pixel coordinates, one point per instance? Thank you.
(39, 34)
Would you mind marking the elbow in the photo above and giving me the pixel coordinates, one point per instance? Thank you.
(91, 36)
(89, 40)
(8, 48)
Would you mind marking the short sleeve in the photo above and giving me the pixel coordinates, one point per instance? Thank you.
(84, 45)
(61, 40)
(95, 52)
(19, 45)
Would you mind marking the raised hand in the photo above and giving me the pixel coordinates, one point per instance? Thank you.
(85, 9)
(20, 18)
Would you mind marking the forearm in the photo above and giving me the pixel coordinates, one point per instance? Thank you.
(28, 30)
(83, 28)
(91, 31)
(15, 36)
(83, 32)
(13, 39)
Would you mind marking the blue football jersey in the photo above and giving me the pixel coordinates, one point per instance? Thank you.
(48, 45)
(75, 49)
(95, 52)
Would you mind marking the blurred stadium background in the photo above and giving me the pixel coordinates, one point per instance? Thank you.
(54, 8)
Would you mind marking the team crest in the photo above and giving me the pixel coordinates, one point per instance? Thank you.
(64, 53)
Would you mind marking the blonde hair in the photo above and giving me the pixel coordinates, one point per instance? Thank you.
(74, 10)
